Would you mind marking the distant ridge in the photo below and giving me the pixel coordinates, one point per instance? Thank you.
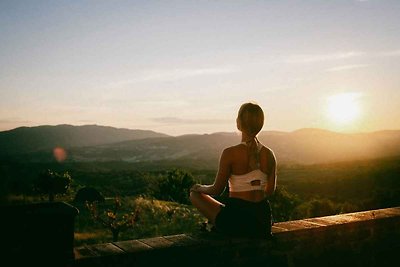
(103, 143)
(30, 139)
(305, 146)
(313, 146)
(313, 130)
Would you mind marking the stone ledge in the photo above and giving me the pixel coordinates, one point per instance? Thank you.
(294, 242)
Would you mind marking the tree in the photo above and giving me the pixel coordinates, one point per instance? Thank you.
(316, 207)
(283, 204)
(112, 219)
(175, 186)
(52, 183)
(89, 194)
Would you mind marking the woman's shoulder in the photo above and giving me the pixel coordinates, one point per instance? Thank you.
(268, 152)
(267, 149)
(239, 147)
(233, 149)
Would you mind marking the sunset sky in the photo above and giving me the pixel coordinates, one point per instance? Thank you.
(181, 67)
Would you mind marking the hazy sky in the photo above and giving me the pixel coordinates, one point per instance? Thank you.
(181, 67)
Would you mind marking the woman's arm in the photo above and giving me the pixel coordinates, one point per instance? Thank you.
(221, 179)
(272, 165)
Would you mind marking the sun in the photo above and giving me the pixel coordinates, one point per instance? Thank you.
(343, 108)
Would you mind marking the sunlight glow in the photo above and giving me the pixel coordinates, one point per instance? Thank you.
(343, 108)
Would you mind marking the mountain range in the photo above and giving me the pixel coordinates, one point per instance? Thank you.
(102, 143)
(33, 139)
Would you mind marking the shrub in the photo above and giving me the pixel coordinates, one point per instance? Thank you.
(174, 186)
(112, 219)
(52, 183)
(283, 204)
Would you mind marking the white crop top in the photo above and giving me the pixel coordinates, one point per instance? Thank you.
(253, 180)
(240, 183)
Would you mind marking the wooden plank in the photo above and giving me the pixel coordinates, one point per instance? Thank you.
(182, 240)
(325, 221)
(131, 246)
(358, 216)
(336, 220)
(298, 225)
(157, 242)
(84, 252)
(106, 249)
(277, 229)
(362, 216)
(384, 213)
(341, 219)
(311, 220)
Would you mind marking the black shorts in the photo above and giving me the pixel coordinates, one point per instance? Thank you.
(241, 218)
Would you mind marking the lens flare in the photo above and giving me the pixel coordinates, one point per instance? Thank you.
(59, 154)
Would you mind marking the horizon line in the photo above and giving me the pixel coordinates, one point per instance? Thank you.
(204, 133)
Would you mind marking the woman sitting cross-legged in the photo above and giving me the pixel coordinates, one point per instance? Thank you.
(250, 170)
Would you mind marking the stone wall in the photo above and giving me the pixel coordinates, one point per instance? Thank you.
(369, 238)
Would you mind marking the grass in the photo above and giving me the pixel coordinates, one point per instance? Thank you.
(156, 218)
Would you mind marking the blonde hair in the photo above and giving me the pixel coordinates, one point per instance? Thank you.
(250, 121)
(251, 118)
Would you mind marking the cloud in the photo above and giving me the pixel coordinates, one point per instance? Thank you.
(176, 120)
(174, 75)
(393, 53)
(308, 58)
(347, 67)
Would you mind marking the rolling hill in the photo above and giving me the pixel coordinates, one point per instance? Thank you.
(98, 143)
(306, 146)
(41, 138)
(312, 146)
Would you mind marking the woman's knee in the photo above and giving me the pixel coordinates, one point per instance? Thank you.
(194, 196)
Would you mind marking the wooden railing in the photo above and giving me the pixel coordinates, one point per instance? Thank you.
(368, 238)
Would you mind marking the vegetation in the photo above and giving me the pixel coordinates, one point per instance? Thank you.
(174, 186)
(154, 218)
(112, 220)
(155, 202)
(52, 183)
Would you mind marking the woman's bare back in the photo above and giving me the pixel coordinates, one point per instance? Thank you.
(239, 160)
